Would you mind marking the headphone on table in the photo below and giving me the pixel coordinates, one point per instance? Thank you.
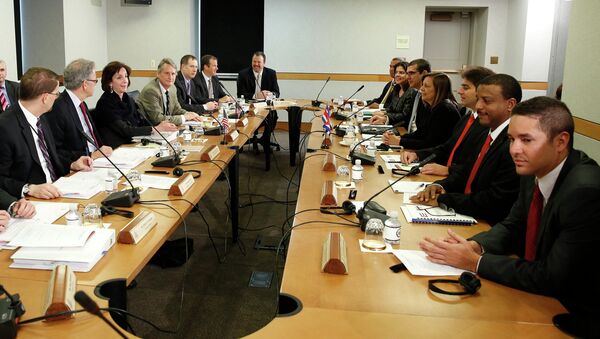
(178, 171)
(467, 280)
(347, 208)
(146, 142)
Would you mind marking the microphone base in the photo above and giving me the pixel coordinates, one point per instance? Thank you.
(169, 161)
(316, 103)
(364, 158)
(212, 131)
(124, 198)
(366, 214)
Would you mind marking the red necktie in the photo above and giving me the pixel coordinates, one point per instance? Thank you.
(460, 139)
(533, 223)
(3, 101)
(484, 149)
(89, 124)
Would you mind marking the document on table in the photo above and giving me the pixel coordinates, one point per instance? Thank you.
(77, 188)
(125, 157)
(157, 181)
(35, 234)
(393, 161)
(406, 198)
(417, 264)
(408, 186)
(171, 136)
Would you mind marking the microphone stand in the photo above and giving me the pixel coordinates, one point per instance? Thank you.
(316, 102)
(168, 161)
(337, 129)
(92, 307)
(350, 97)
(365, 158)
(125, 198)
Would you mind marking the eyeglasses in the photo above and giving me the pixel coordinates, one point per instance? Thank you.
(92, 80)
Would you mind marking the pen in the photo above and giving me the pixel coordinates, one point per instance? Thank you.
(156, 172)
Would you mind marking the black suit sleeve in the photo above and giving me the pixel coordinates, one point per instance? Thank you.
(7, 181)
(183, 102)
(275, 85)
(5, 200)
(243, 85)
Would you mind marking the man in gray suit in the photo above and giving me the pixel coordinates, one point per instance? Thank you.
(158, 99)
(9, 90)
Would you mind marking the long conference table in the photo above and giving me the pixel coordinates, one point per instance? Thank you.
(122, 263)
(373, 302)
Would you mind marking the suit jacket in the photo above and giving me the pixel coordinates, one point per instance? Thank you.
(19, 162)
(12, 88)
(246, 82)
(202, 90)
(494, 188)
(399, 108)
(5, 200)
(466, 152)
(567, 241)
(118, 120)
(188, 102)
(434, 126)
(151, 102)
(66, 127)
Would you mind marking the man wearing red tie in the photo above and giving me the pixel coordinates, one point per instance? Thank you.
(487, 189)
(70, 115)
(553, 225)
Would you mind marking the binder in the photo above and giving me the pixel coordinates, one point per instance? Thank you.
(435, 215)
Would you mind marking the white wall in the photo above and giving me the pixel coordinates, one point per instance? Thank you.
(538, 40)
(8, 47)
(515, 37)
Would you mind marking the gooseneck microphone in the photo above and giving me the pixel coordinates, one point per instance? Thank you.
(350, 97)
(90, 306)
(168, 161)
(125, 198)
(372, 209)
(316, 102)
(365, 158)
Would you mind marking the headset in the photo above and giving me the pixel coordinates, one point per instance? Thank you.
(467, 280)
(178, 171)
(347, 208)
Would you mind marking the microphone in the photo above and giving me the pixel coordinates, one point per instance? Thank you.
(316, 102)
(90, 306)
(366, 159)
(237, 104)
(337, 129)
(168, 161)
(216, 130)
(346, 101)
(125, 198)
(371, 209)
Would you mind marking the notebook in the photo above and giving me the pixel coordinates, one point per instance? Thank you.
(434, 215)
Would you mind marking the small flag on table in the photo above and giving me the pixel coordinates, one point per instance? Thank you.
(326, 120)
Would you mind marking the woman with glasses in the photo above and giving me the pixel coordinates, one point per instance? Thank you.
(116, 115)
(398, 105)
(436, 121)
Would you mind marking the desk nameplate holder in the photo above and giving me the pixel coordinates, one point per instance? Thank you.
(231, 136)
(329, 163)
(334, 259)
(210, 153)
(182, 185)
(61, 292)
(242, 122)
(137, 228)
(251, 112)
(329, 194)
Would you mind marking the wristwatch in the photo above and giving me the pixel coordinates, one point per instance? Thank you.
(25, 189)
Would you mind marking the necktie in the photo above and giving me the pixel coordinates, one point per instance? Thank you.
(533, 223)
(460, 139)
(44, 149)
(257, 86)
(211, 93)
(168, 102)
(89, 124)
(3, 101)
(412, 126)
(484, 149)
(387, 94)
(187, 89)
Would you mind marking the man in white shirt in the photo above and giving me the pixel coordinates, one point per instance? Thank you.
(208, 83)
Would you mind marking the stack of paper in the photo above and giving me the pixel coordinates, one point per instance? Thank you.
(77, 188)
(45, 213)
(125, 157)
(417, 264)
(435, 215)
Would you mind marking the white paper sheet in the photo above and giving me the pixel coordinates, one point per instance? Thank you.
(125, 157)
(35, 234)
(408, 186)
(77, 188)
(417, 264)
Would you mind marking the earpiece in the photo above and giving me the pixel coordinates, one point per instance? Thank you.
(178, 171)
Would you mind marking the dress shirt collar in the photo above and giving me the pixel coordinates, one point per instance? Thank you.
(162, 89)
(495, 133)
(206, 78)
(468, 110)
(31, 119)
(546, 183)
(74, 98)
(256, 74)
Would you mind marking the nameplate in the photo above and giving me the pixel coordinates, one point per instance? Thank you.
(329, 163)
(61, 292)
(211, 153)
(242, 122)
(231, 136)
(334, 259)
(182, 185)
(329, 194)
(137, 228)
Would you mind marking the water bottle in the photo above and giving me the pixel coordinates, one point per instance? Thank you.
(242, 100)
(357, 171)
(391, 230)
(72, 217)
(371, 149)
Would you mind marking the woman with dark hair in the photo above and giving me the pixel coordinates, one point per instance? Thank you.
(116, 115)
(436, 121)
(402, 97)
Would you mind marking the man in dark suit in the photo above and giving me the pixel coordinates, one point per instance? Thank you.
(257, 81)
(468, 132)
(553, 225)
(29, 161)
(489, 187)
(9, 90)
(11, 207)
(70, 115)
(387, 89)
(187, 92)
(207, 81)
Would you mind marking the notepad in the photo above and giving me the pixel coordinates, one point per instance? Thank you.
(408, 186)
(434, 215)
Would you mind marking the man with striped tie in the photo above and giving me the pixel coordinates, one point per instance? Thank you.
(9, 90)
(29, 161)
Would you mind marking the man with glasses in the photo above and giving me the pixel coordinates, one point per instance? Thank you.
(9, 90)
(29, 160)
(70, 115)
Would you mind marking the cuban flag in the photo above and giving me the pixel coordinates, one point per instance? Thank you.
(326, 120)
